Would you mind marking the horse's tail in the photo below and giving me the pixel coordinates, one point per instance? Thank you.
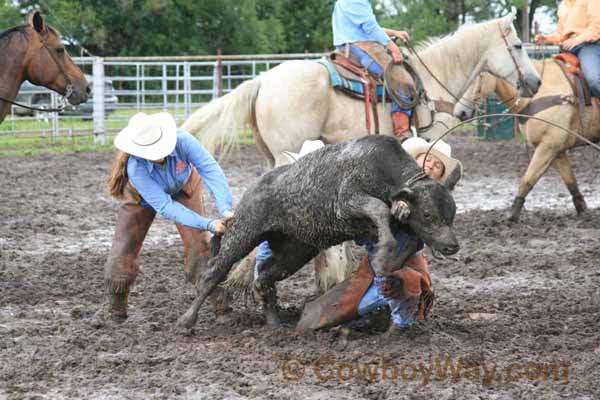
(218, 124)
(239, 284)
(333, 266)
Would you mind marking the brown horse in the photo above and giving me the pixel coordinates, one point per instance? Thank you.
(34, 52)
(551, 143)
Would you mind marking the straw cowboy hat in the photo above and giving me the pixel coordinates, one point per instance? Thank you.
(307, 147)
(150, 137)
(416, 146)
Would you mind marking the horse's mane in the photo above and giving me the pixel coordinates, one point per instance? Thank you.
(21, 29)
(437, 49)
(464, 32)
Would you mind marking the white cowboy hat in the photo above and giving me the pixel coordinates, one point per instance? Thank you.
(416, 146)
(307, 147)
(150, 137)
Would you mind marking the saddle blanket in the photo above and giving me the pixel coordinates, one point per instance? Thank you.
(348, 85)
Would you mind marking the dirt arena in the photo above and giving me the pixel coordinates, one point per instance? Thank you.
(517, 313)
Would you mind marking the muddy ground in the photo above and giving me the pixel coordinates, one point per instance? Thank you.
(517, 313)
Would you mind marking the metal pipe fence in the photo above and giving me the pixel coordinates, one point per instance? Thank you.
(124, 86)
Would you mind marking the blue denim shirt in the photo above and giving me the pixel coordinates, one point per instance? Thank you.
(354, 21)
(157, 185)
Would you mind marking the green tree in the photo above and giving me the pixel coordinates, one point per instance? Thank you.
(9, 15)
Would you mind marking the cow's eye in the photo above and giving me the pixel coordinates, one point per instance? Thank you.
(518, 46)
(60, 51)
(426, 215)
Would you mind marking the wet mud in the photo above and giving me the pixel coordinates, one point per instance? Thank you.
(517, 313)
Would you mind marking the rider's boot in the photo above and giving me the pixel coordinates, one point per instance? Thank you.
(401, 124)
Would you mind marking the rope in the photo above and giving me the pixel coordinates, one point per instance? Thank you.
(569, 131)
(60, 109)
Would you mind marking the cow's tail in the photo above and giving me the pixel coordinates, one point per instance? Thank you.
(219, 123)
(240, 283)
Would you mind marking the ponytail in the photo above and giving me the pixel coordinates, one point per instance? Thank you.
(118, 176)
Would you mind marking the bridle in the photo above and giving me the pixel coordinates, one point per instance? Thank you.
(520, 74)
(69, 87)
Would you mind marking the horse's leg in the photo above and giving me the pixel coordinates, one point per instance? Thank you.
(232, 251)
(333, 266)
(543, 156)
(563, 166)
(289, 256)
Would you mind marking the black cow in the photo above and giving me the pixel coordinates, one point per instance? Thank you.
(338, 193)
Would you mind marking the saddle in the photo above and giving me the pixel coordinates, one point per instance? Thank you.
(571, 68)
(349, 76)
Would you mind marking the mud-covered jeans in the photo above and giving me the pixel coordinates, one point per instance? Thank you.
(133, 222)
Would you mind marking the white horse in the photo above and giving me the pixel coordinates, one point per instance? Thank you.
(295, 102)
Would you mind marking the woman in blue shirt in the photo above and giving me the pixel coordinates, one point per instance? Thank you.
(161, 169)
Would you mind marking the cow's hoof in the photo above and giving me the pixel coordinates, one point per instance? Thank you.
(187, 320)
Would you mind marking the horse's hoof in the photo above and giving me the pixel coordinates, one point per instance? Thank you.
(118, 318)
(187, 320)
(513, 218)
(580, 205)
(515, 211)
(273, 320)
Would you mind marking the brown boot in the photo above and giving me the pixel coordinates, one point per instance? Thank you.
(121, 267)
(401, 124)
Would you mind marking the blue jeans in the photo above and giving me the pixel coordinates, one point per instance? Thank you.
(589, 55)
(403, 312)
(376, 69)
(264, 252)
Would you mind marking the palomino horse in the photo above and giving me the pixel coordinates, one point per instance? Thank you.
(551, 143)
(295, 102)
(34, 52)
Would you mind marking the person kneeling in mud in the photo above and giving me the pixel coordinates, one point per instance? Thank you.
(160, 169)
(366, 300)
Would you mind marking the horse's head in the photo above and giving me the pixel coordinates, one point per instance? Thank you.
(507, 59)
(48, 63)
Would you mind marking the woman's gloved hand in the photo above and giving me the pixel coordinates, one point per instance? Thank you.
(217, 227)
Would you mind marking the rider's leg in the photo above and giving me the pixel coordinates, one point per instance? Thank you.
(264, 252)
(400, 116)
(401, 121)
(589, 55)
(121, 267)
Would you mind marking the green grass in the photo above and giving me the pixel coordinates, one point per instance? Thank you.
(11, 146)
(35, 136)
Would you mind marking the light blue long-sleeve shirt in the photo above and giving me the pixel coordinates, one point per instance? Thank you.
(156, 184)
(354, 21)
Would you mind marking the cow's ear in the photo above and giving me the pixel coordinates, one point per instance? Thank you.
(405, 194)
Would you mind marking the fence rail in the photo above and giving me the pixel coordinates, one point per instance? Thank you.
(123, 86)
